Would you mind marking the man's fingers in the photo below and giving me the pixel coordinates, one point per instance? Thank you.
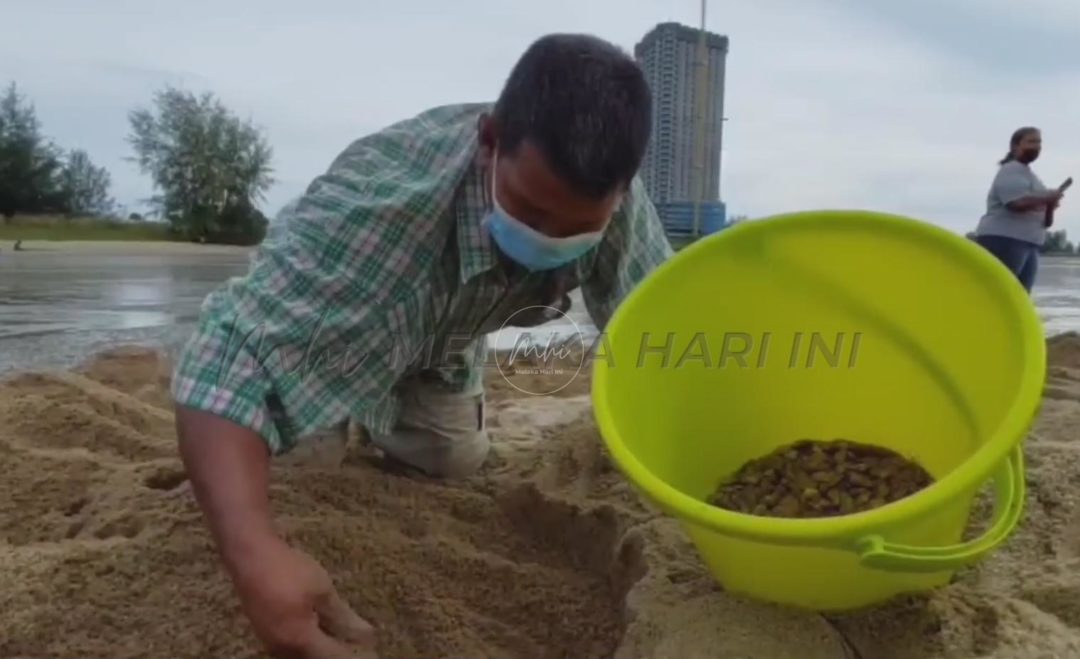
(338, 618)
(321, 646)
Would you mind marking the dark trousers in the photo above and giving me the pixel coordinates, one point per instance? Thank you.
(1019, 256)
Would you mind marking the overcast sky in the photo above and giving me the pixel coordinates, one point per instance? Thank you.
(895, 106)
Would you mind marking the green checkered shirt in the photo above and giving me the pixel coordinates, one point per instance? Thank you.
(382, 273)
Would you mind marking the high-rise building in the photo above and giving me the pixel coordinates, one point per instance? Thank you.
(669, 56)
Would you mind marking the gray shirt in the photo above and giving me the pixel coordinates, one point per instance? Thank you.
(1014, 180)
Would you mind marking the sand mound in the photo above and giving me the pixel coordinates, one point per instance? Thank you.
(1063, 350)
(548, 553)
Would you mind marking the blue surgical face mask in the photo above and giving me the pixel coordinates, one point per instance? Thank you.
(529, 247)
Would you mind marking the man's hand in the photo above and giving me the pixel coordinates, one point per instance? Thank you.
(293, 606)
(1054, 200)
(288, 597)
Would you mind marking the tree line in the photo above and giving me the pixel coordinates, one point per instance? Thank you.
(209, 168)
(37, 176)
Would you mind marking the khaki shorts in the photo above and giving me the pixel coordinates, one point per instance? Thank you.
(440, 433)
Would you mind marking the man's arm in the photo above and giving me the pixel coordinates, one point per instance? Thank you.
(633, 246)
(296, 346)
(1032, 202)
(1013, 187)
(289, 599)
(228, 466)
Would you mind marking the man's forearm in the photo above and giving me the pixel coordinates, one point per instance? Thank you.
(229, 467)
(1025, 204)
(1029, 203)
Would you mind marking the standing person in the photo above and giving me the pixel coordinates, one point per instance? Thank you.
(1018, 209)
(433, 230)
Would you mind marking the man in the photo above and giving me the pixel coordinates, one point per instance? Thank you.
(436, 228)
(1019, 209)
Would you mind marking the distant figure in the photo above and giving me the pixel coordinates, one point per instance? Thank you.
(18, 245)
(1017, 209)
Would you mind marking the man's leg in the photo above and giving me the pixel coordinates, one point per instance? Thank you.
(326, 448)
(1030, 268)
(1013, 254)
(439, 432)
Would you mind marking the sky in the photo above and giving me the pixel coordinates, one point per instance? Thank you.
(899, 107)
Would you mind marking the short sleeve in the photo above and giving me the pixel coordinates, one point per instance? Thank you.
(299, 343)
(1011, 183)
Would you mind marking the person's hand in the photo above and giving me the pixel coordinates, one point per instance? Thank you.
(1053, 198)
(294, 608)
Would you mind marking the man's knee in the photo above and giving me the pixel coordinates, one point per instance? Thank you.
(326, 448)
(441, 433)
(435, 454)
(460, 457)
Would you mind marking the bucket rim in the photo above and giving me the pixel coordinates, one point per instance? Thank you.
(965, 478)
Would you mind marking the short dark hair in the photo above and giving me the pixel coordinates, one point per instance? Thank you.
(1018, 136)
(585, 104)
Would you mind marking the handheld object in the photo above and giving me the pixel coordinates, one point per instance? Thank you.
(1061, 189)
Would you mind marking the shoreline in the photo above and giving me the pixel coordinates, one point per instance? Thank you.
(122, 246)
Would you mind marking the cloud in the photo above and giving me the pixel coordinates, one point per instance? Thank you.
(1035, 38)
(831, 107)
(902, 107)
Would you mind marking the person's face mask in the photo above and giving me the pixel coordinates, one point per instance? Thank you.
(527, 246)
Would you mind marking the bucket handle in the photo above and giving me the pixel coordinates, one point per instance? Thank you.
(1009, 489)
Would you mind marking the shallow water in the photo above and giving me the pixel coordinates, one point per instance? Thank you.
(57, 306)
(1057, 295)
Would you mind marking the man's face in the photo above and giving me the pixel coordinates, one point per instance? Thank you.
(1029, 148)
(532, 193)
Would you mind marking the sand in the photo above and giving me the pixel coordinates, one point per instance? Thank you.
(548, 553)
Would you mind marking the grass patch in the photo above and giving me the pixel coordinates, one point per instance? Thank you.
(80, 228)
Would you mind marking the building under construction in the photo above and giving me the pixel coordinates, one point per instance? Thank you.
(682, 165)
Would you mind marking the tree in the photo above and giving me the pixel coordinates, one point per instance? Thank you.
(29, 164)
(84, 186)
(209, 166)
(1057, 243)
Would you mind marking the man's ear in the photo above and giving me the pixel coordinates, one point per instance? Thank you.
(485, 128)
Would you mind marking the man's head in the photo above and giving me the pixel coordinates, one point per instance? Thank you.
(568, 134)
(1025, 145)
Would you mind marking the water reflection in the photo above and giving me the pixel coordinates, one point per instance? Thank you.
(55, 306)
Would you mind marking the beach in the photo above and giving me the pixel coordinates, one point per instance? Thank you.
(549, 552)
